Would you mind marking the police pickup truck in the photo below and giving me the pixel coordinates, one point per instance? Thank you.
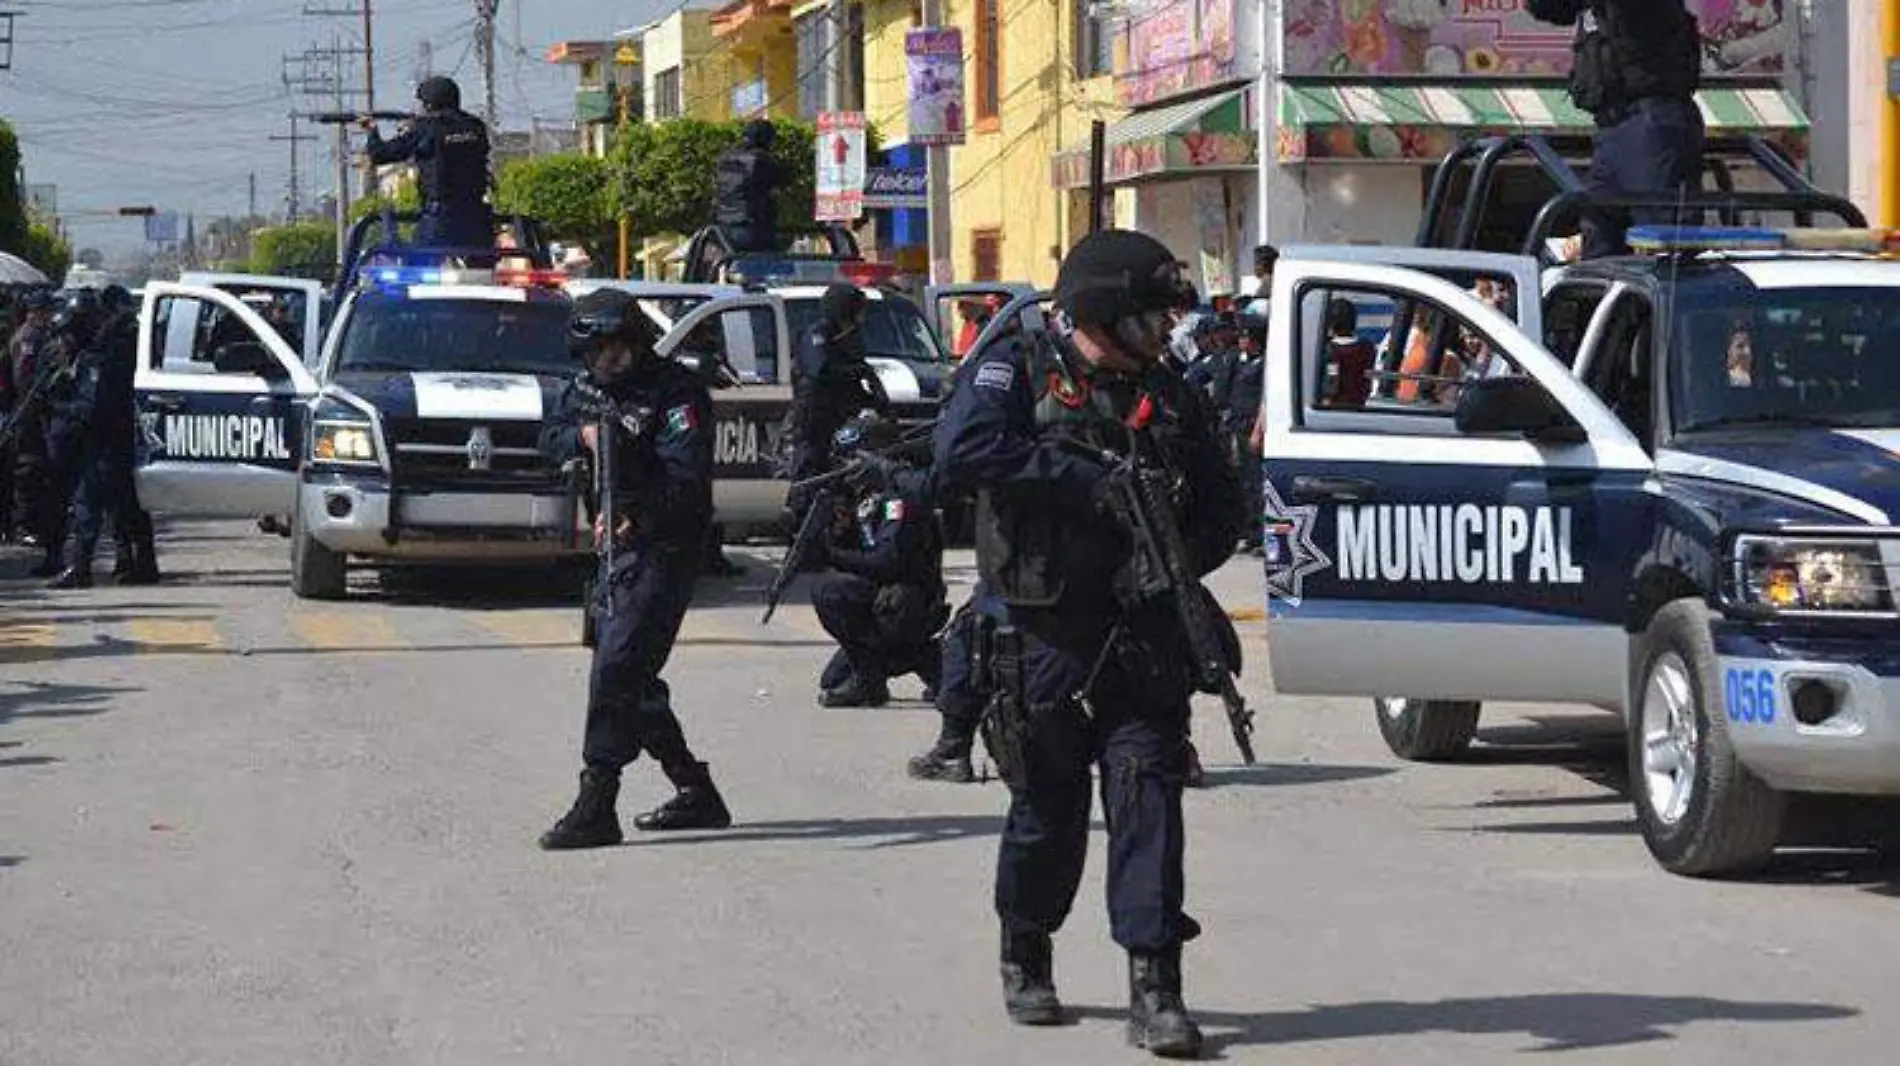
(1665, 484)
(413, 438)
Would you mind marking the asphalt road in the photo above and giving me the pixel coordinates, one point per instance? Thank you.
(239, 829)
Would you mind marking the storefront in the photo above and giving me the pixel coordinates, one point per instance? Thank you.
(1371, 95)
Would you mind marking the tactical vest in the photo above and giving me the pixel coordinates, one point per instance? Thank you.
(1037, 556)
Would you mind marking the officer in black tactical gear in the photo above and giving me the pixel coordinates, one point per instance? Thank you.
(886, 604)
(1242, 408)
(743, 185)
(832, 380)
(72, 332)
(663, 464)
(1638, 66)
(1089, 671)
(101, 408)
(450, 150)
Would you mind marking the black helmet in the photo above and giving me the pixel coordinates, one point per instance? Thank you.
(439, 93)
(40, 300)
(841, 303)
(116, 299)
(78, 317)
(868, 432)
(606, 314)
(1115, 274)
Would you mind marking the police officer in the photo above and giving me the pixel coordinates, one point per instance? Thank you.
(663, 505)
(1638, 66)
(24, 455)
(1087, 671)
(101, 410)
(832, 381)
(71, 332)
(744, 182)
(886, 604)
(1244, 396)
(450, 150)
(1217, 339)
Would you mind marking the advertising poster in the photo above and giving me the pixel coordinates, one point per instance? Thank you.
(936, 85)
(840, 151)
(1175, 47)
(1443, 39)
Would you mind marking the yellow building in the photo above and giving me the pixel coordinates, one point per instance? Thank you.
(755, 49)
(684, 70)
(1035, 75)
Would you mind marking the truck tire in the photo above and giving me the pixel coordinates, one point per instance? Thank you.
(316, 572)
(1427, 730)
(1702, 813)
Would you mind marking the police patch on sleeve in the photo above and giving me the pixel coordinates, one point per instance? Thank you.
(996, 375)
(681, 420)
(894, 511)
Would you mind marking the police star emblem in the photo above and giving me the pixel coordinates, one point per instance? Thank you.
(1288, 544)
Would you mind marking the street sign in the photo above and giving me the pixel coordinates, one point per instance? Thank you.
(840, 152)
(896, 189)
(935, 58)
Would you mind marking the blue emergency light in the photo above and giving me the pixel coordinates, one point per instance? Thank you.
(401, 276)
(1680, 240)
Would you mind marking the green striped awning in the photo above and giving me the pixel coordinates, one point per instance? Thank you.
(1210, 133)
(1423, 123)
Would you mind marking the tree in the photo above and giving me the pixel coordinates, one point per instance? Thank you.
(298, 250)
(406, 199)
(662, 174)
(569, 194)
(45, 248)
(13, 220)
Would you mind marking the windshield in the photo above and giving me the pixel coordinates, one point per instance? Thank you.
(1816, 356)
(389, 332)
(893, 329)
(284, 309)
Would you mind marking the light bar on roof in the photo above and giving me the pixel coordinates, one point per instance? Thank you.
(1654, 240)
(394, 277)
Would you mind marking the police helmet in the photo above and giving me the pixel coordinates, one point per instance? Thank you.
(78, 316)
(1117, 274)
(868, 432)
(116, 299)
(609, 314)
(40, 300)
(842, 303)
(439, 93)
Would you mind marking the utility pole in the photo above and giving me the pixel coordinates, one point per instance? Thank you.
(253, 211)
(328, 76)
(367, 12)
(834, 60)
(293, 206)
(485, 41)
(937, 160)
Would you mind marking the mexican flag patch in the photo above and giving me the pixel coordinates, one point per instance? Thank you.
(894, 511)
(680, 420)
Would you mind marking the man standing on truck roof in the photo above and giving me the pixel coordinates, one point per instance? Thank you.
(1638, 66)
(450, 150)
(743, 185)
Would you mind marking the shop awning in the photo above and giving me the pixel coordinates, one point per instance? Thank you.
(1420, 124)
(1209, 133)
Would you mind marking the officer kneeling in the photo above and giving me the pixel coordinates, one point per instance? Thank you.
(887, 603)
(663, 466)
(1089, 672)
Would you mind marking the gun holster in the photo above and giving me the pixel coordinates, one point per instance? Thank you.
(1005, 725)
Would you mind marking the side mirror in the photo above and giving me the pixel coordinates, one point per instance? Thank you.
(1516, 405)
(246, 357)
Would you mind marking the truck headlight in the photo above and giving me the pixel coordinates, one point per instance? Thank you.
(339, 433)
(1793, 574)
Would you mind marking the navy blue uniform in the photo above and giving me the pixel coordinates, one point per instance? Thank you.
(1243, 409)
(21, 365)
(1103, 679)
(450, 151)
(664, 486)
(831, 382)
(104, 428)
(744, 182)
(885, 605)
(962, 692)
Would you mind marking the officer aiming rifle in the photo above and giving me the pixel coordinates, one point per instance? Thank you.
(609, 420)
(818, 515)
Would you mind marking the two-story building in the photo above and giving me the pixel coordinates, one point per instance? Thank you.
(611, 87)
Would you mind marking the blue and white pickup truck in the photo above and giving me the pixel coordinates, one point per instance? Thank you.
(1666, 484)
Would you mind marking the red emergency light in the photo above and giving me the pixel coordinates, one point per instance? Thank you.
(866, 275)
(530, 279)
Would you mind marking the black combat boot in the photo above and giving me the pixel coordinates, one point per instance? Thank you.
(591, 822)
(1029, 979)
(697, 804)
(143, 569)
(857, 692)
(73, 577)
(929, 670)
(947, 760)
(1157, 1018)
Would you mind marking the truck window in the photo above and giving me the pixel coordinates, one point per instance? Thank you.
(1621, 370)
(389, 332)
(1568, 311)
(893, 329)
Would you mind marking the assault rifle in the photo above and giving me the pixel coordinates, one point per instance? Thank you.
(1138, 495)
(819, 513)
(349, 118)
(609, 416)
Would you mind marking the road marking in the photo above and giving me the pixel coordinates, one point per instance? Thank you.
(345, 631)
(173, 636)
(27, 642)
(533, 629)
(1247, 614)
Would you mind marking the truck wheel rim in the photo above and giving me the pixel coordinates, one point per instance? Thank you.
(1671, 739)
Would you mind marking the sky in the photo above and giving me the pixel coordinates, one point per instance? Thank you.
(173, 103)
